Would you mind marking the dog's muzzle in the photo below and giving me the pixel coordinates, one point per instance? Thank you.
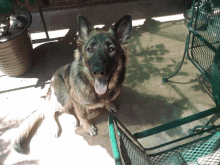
(100, 76)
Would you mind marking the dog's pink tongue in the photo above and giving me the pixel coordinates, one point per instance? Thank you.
(101, 85)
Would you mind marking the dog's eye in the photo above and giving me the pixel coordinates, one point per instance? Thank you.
(111, 49)
(89, 49)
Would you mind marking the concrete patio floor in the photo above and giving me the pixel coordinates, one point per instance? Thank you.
(156, 50)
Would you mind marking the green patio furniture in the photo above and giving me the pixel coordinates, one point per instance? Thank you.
(203, 50)
(203, 150)
(128, 151)
(204, 36)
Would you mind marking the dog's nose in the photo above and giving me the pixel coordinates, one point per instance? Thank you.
(98, 73)
(98, 69)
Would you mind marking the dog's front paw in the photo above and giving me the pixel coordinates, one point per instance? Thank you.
(111, 107)
(92, 130)
(72, 119)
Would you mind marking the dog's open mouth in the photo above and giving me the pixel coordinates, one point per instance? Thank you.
(101, 85)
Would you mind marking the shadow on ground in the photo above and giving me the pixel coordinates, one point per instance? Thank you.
(49, 57)
(145, 62)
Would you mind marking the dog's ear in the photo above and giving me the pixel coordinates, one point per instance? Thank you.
(122, 29)
(84, 28)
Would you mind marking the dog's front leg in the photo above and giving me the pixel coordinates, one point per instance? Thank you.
(82, 116)
(110, 106)
(55, 128)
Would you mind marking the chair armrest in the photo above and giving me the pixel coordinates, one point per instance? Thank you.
(114, 144)
(176, 123)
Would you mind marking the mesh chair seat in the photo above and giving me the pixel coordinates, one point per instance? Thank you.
(204, 151)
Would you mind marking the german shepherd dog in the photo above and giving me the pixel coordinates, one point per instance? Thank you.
(93, 80)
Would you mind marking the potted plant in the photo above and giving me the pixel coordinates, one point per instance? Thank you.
(15, 41)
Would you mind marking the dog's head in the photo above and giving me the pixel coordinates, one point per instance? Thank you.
(101, 50)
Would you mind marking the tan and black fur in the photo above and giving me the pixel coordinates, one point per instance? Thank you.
(93, 80)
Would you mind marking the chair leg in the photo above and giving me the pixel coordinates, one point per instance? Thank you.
(167, 79)
(184, 55)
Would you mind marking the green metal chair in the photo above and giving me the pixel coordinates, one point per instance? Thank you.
(204, 36)
(205, 150)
